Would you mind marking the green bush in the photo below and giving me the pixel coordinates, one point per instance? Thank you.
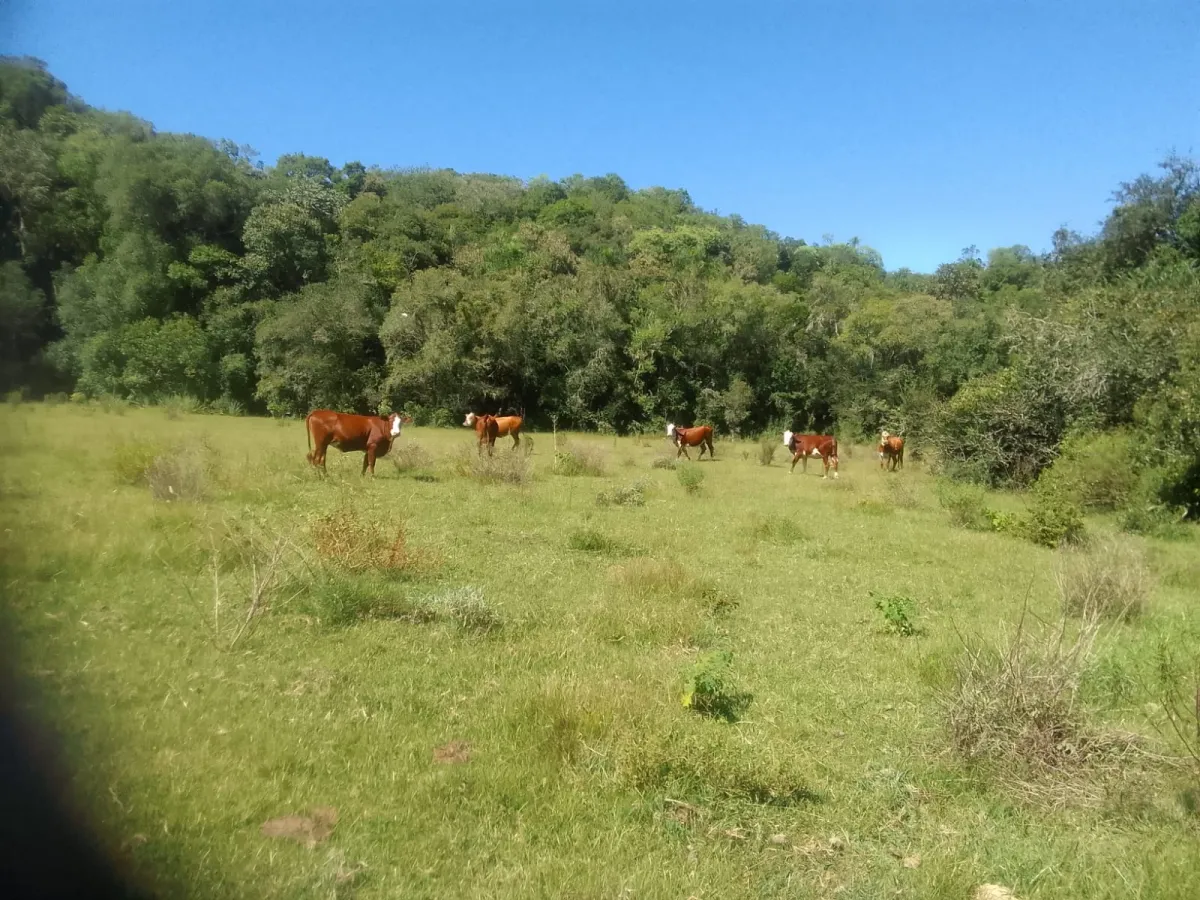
(691, 477)
(579, 461)
(965, 506)
(1054, 516)
(630, 495)
(1099, 470)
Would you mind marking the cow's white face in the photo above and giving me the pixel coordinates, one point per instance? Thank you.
(670, 431)
(395, 420)
(787, 438)
(885, 435)
(469, 420)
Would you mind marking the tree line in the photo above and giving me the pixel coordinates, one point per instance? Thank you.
(144, 266)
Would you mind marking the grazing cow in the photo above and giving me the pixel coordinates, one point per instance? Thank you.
(491, 427)
(802, 446)
(373, 435)
(700, 435)
(891, 449)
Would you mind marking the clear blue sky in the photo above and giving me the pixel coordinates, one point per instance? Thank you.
(920, 127)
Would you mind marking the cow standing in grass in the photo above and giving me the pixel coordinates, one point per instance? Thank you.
(488, 428)
(700, 435)
(372, 435)
(891, 450)
(802, 446)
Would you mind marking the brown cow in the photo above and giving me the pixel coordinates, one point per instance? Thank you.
(373, 435)
(491, 427)
(700, 435)
(802, 446)
(891, 449)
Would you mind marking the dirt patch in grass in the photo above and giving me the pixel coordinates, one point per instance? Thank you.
(308, 830)
(453, 752)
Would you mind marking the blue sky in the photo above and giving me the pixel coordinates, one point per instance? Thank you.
(920, 127)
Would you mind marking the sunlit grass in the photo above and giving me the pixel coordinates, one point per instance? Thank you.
(552, 637)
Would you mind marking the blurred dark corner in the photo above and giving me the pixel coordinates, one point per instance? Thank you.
(47, 849)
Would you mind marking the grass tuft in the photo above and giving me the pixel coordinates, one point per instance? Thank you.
(1108, 579)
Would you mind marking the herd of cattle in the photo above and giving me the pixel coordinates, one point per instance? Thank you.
(373, 437)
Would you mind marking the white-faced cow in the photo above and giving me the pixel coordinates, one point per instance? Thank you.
(372, 435)
(802, 446)
(699, 436)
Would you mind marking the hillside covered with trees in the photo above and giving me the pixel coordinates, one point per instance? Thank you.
(143, 266)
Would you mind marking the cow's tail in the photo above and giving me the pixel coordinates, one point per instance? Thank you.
(308, 434)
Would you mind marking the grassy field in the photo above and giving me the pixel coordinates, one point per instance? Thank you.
(482, 669)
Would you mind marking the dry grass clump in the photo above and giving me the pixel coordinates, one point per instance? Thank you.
(663, 462)
(1109, 580)
(465, 607)
(901, 494)
(356, 543)
(579, 460)
(1018, 706)
(500, 468)
(767, 448)
(630, 495)
(411, 457)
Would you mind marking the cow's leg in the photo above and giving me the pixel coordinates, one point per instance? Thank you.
(683, 447)
(516, 440)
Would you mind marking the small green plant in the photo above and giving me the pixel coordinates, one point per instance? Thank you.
(710, 690)
(588, 540)
(630, 495)
(898, 612)
(776, 530)
(767, 446)
(663, 462)
(691, 478)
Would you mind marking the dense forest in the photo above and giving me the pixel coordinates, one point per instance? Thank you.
(146, 266)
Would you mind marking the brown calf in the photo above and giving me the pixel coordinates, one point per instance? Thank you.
(700, 435)
(802, 446)
(488, 428)
(891, 449)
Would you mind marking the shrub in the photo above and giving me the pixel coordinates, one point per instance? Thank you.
(965, 506)
(357, 543)
(463, 606)
(177, 475)
(181, 405)
(663, 462)
(55, 399)
(1054, 517)
(898, 612)
(1107, 580)
(710, 690)
(227, 406)
(776, 530)
(900, 494)
(1099, 470)
(1020, 703)
(410, 457)
(630, 495)
(691, 478)
(579, 460)
(502, 468)
(589, 540)
(767, 447)
(131, 462)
